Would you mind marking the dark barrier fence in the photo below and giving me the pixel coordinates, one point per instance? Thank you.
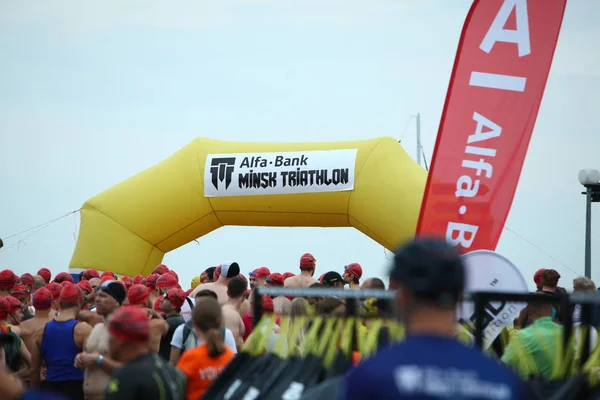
(351, 307)
(587, 301)
(487, 306)
(481, 301)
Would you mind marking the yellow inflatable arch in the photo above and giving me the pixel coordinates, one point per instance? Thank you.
(371, 185)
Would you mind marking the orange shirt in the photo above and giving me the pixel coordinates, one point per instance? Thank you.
(201, 370)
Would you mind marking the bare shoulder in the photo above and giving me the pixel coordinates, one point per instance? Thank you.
(26, 327)
(91, 318)
(158, 323)
(289, 281)
(200, 287)
(83, 327)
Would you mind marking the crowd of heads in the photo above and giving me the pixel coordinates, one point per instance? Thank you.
(105, 291)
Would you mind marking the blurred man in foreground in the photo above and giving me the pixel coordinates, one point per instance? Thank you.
(429, 277)
(144, 375)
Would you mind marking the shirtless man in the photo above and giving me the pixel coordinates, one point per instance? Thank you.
(281, 304)
(352, 274)
(258, 277)
(91, 299)
(94, 358)
(42, 301)
(139, 295)
(307, 270)
(231, 310)
(373, 283)
(228, 271)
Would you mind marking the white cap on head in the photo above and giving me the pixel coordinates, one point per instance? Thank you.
(230, 270)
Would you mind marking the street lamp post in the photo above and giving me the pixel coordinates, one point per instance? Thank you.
(590, 179)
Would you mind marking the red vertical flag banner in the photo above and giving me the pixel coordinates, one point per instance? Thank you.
(500, 72)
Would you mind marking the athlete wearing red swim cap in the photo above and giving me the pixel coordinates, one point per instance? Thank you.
(46, 274)
(59, 350)
(8, 279)
(352, 274)
(258, 277)
(144, 375)
(139, 296)
(90, 274)
(307, 265)
(63, 277)
(27, 280)
(281, 304)
(537, 278)
(42, 302)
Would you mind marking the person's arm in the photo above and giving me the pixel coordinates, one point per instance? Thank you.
(239, 339)
(86, 360)
(11, 388)
(177, 345)
(174, 356)
(159, 325)
(25, 361)
(108, 365)
(81, 333)
(36, 359)
(89, 317)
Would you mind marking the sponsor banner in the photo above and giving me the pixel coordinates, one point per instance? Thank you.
(253, 174)
(487, 271)
(500, 72)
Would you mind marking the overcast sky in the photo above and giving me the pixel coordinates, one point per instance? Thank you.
(92, 93)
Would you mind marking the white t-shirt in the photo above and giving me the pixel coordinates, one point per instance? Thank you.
(177, 340)
(186, 309)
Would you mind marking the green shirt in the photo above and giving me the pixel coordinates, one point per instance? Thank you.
(532, 351)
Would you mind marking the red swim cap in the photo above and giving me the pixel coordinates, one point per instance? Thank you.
(45, 274)
(62, 277)
(307, 261)
(138, 295)
(130, 324)
(354, 269)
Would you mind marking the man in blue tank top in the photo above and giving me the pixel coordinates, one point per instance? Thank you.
(430, 364)
(58, 344)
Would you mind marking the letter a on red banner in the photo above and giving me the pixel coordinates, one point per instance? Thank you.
(501, 67)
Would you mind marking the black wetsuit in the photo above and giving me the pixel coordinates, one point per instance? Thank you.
(149, 377)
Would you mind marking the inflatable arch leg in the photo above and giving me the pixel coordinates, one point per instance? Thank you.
(371, 185)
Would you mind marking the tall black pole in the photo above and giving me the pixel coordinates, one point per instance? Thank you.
(588, 232)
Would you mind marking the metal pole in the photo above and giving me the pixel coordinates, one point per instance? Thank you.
(588, 232)
(419, 138)
(480, 302)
